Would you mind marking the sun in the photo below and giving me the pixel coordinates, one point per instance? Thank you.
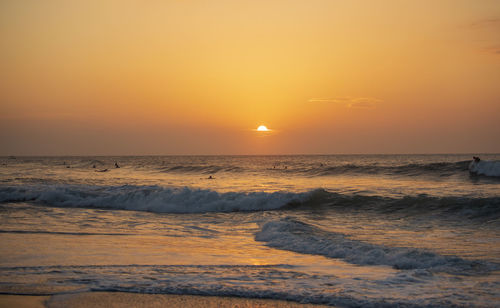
(262, 128)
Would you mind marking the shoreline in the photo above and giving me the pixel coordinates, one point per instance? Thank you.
(125, 299)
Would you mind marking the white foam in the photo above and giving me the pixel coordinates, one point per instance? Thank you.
(488, 168)
(293, 235)
(149, 198)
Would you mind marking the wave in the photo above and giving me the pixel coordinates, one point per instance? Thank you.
(439, 169)
(486, 209)
(291, 234)
(487, 168)
(282, 282)
(190, 200)
(149, 198)
(291, 167)
(210, 169)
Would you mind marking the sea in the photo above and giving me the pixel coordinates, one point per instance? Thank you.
(339, 230)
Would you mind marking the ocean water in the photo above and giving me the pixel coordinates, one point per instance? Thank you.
(341, 230)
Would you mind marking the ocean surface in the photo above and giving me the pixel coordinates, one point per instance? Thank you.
(341, 230)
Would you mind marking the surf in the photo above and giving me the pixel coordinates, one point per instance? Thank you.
(486, 168)
(159, 199)
(293, 235)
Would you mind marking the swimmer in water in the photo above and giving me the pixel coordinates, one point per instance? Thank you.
(476, 159)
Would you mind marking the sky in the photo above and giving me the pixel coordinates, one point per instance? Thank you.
(198, 77)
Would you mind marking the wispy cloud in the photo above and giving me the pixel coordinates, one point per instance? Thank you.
(486, 23)
(351, 102)
(486, 31)
(493, 49)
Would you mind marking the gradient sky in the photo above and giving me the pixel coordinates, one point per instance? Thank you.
(198, 77)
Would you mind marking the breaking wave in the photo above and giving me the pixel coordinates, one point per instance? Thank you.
(191, 200)
(488, 168)
(291, 234)
(149, 198)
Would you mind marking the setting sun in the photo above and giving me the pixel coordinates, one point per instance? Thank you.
(153, 115)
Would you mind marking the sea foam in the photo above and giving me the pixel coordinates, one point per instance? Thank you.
(149, 198)
(160, 199)
(291, 234)
(488, 168)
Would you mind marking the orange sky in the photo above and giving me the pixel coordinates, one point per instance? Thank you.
(198, 77)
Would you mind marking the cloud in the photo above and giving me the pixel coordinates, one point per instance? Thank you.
(492, 49)
(351, 102)
(486, 23)
(330, 100)
(486, 31)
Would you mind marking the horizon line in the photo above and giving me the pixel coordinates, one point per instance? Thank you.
(314, 154)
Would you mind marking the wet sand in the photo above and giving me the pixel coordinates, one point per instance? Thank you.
(23, 301)
(119, 299)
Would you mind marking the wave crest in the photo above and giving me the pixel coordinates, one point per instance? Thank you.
(415, 169)
(291, 234)
(192, 200)
(150, 198)
(488, 168)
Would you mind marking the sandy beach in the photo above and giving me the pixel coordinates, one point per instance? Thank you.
(119, 299)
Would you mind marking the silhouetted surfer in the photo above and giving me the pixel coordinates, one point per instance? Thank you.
(116, 165)
(474, 165)
(211, 178)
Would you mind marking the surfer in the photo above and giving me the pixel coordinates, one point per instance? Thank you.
(116, 165)
(474, 165)
(484, 167)
(211, 178)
